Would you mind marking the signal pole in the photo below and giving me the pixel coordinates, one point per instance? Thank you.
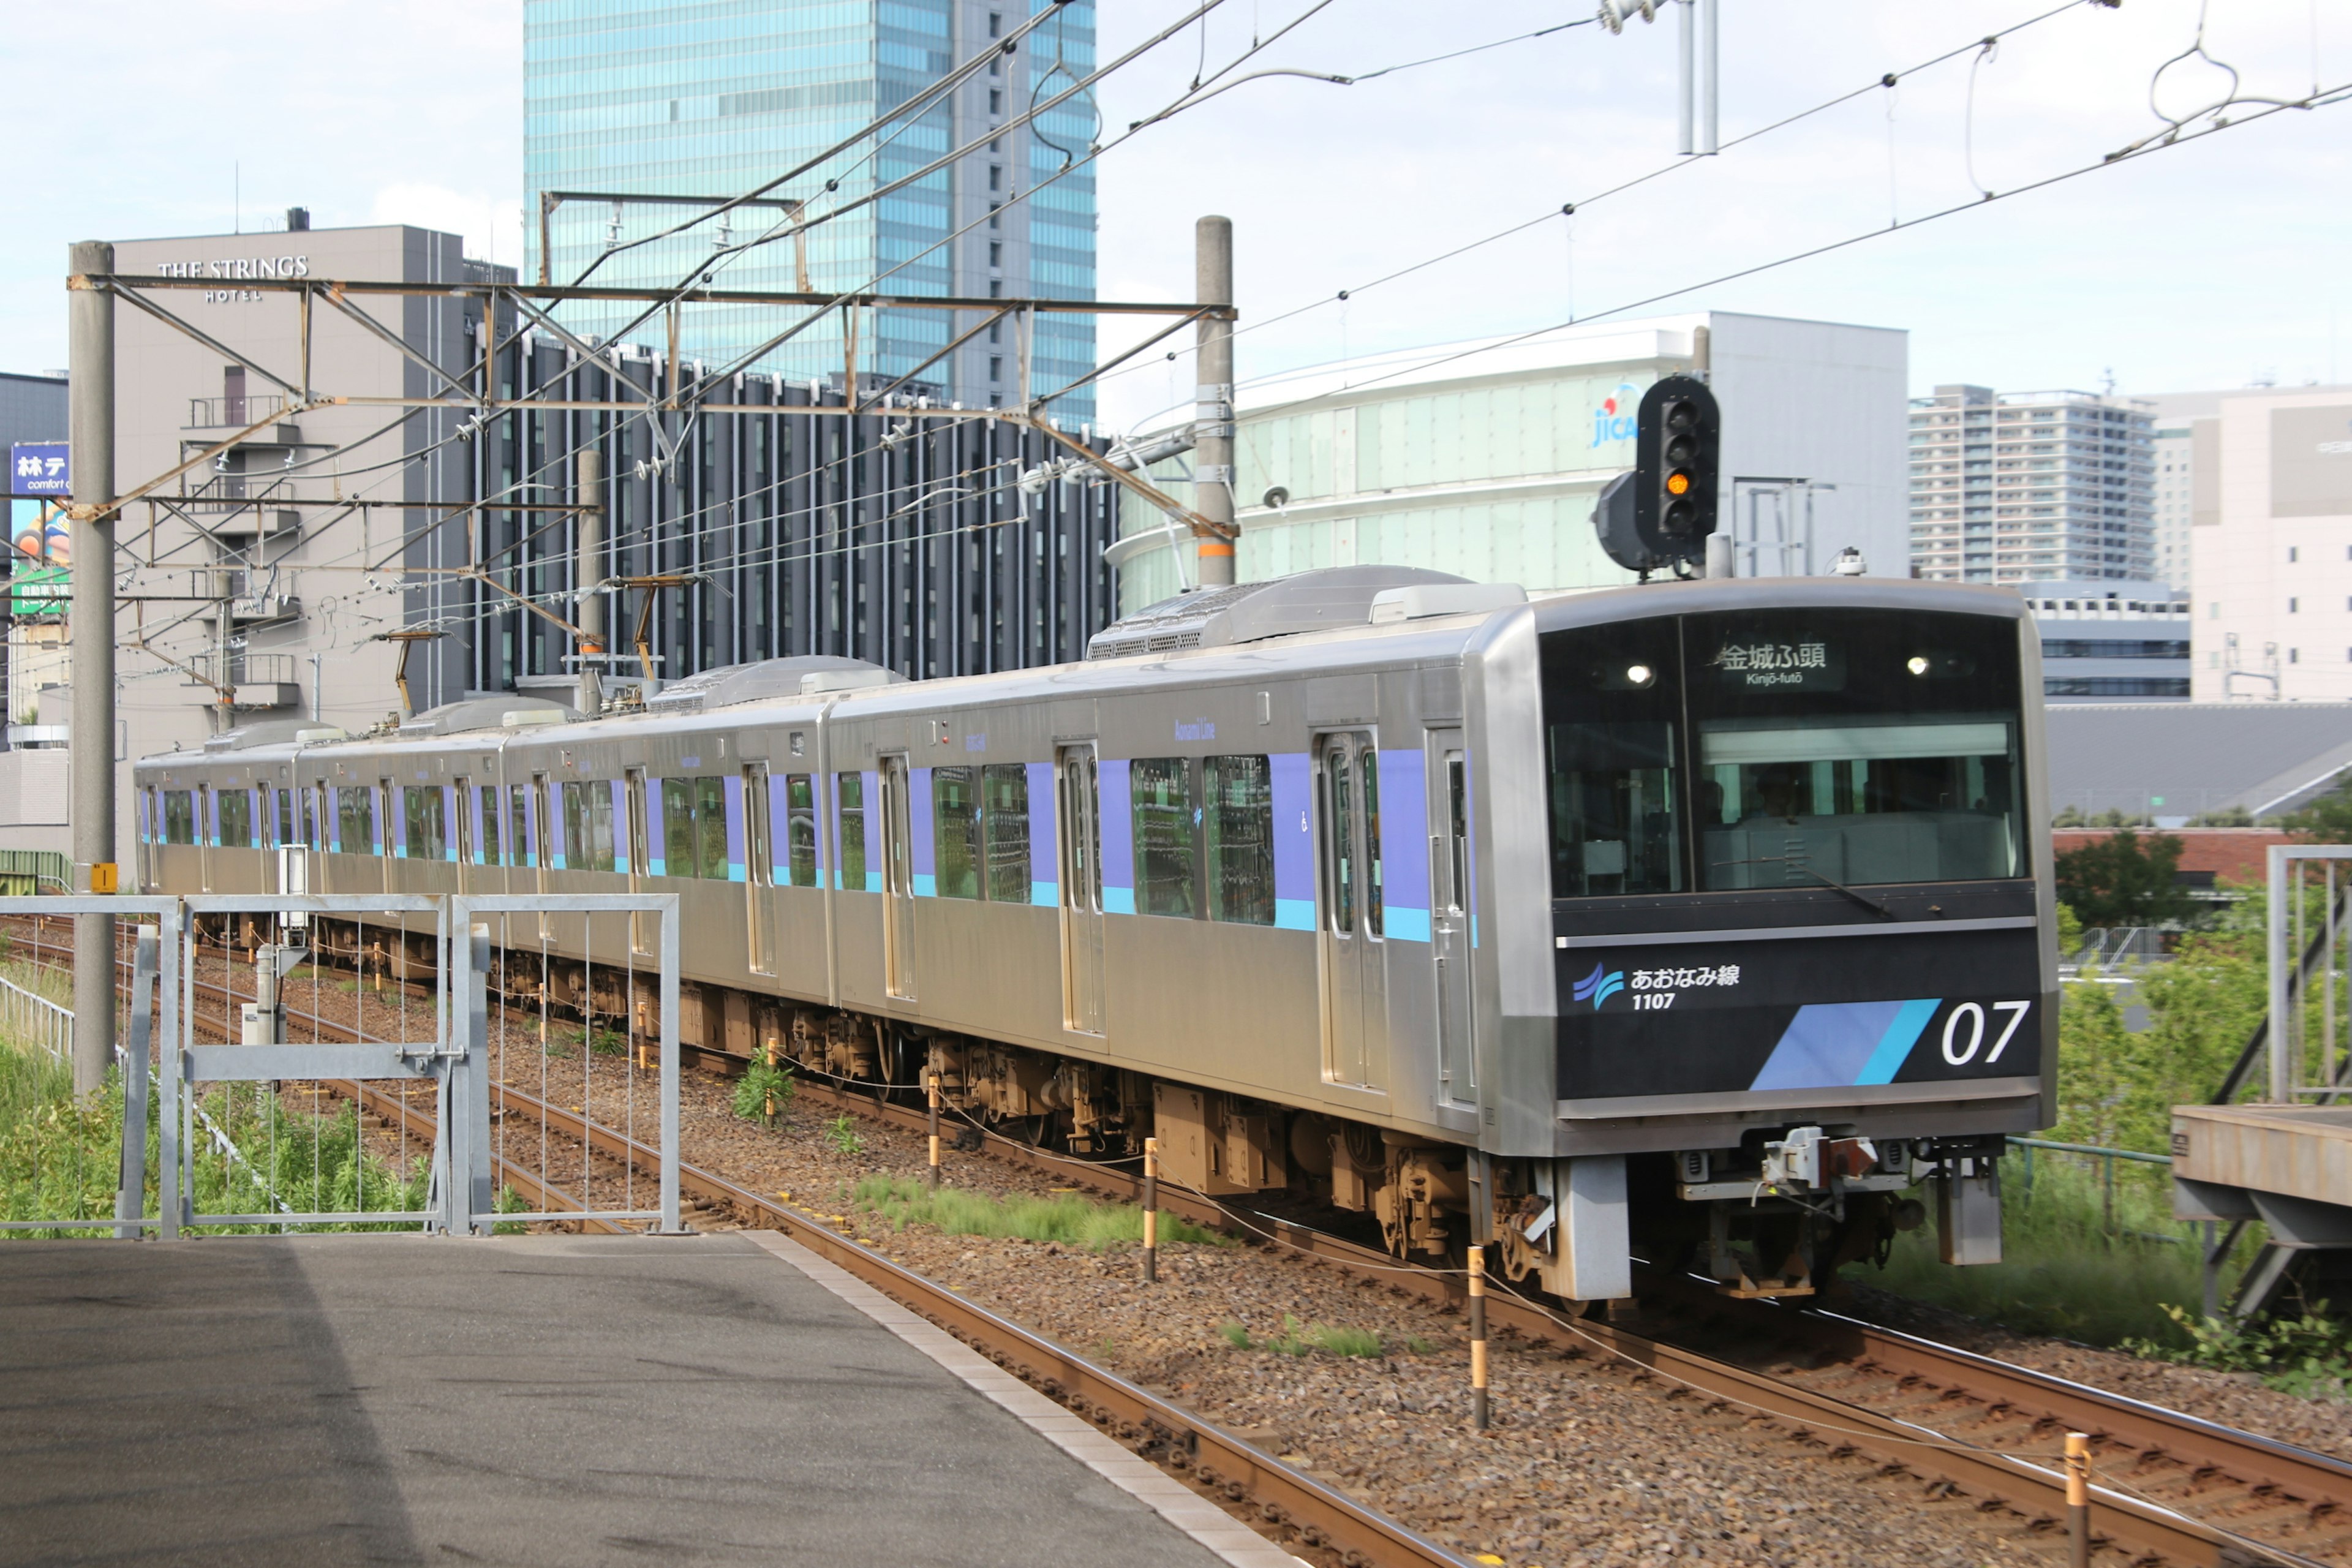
(90, 326)
(1212, 430)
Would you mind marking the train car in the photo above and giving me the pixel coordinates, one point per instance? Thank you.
(1698, 922)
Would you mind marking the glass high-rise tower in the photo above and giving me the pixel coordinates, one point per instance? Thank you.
(712, 97)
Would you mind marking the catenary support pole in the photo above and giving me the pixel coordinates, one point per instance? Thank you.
(89, 328)
(588, 609)
(1213, 260)
(1708, 33)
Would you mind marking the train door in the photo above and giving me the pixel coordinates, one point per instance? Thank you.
(206, 800)
(461, 835)
(1449, 910)
(315, 834)
(643, 928)
(897, 879)
(760, 867)
(1080, 870)
(1347, 847)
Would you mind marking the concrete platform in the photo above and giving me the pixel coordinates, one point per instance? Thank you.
(347, 1399)
(2289, 1165)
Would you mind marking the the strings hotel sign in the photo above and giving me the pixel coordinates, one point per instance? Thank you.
(229, 270)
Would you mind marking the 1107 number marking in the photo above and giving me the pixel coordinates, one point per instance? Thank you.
(1961, 1053)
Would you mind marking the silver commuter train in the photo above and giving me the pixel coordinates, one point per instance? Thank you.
(1697, 920)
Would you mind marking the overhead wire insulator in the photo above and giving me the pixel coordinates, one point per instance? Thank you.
(1615, 14)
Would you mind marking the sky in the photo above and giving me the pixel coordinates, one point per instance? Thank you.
(2216, 263)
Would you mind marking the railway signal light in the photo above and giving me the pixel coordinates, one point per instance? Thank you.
(1659, 515)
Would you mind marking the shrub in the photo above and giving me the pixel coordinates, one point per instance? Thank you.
(764, 1093)
(2310, 1356)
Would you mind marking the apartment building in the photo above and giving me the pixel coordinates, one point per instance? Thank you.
(2015, 486)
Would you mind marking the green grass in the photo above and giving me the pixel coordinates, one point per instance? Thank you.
(1307, 1339)
(60, 1154)
(842, 1134)
(2062, 1273)
(902, 1201)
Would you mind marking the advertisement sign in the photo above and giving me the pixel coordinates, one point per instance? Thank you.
(40, 546)
(41, 468)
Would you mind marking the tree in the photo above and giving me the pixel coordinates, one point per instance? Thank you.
(2124, 879)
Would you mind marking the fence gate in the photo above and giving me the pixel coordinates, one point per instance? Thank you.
(325, 1101)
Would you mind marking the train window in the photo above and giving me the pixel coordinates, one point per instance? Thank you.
(179, 817)
(1238, 793)
(520, 849)
(427, 821)
(710, 826)
(800, 829)
(1162, 788)
(355, 819)
(289, 832)
(1612, 717)
(588, 826)
(493, 846)
(849, 789)
(680, 847)
(955, 809)
(234, 809)
(1854, 747)
(1368, 763)
(1005, 823)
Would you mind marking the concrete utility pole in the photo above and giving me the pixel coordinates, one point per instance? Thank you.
(89, 327)
(1212, 252)
(588, 607)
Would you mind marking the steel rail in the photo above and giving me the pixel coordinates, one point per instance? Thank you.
(2270, 1473)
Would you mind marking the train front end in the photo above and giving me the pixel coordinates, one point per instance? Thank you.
(1797, 920)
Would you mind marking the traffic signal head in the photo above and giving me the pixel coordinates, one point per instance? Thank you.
(1677, 464)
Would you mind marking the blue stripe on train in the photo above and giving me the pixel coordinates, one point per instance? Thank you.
(1840, 1044)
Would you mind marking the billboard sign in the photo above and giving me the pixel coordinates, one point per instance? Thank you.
(40, 552)
(41, 468)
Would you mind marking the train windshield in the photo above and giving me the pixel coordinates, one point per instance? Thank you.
(1782, 748)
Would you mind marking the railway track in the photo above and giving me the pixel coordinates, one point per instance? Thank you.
(2167, 1485)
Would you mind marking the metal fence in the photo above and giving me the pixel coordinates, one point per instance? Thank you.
(62, 1157)
(298, 1087)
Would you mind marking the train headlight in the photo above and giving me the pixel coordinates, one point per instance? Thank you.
(1918, 664)
(1640, 674)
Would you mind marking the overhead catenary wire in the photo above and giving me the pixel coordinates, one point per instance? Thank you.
(1886, 81)
(2317, 101)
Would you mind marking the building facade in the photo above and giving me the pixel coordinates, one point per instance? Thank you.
(1487, 465)
(2013, 487)
(2270, 545)
(649, 98)
(2176, 455)
(301, 573)
(2108, 641)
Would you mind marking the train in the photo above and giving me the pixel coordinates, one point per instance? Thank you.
(1706, 925)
